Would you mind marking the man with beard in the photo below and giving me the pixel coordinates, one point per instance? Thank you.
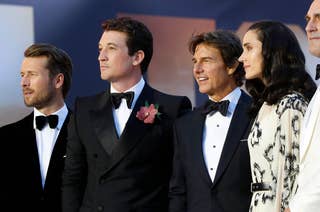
(33, 156)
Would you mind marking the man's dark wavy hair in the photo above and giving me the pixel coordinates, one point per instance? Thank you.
(138, 37)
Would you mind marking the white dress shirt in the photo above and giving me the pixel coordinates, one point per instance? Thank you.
(46, 139)
(121, 115)
(215, 133)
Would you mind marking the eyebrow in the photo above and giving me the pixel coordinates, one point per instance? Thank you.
(307, 17)
(202, 58)
(246, 44)
(109, 44)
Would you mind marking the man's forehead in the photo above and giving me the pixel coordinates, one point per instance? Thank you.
(314, 8)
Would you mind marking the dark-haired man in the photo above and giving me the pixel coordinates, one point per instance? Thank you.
(120, 145)
(211, 169)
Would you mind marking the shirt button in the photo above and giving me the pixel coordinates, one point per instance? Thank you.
(218, 125)
(214, 146)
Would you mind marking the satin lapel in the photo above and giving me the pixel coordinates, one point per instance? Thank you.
(59, 150)
(237, 129)
(196, 137)
(103, 122)
(32, 141)
(135, 129)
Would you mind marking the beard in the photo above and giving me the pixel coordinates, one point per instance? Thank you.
(40, 99)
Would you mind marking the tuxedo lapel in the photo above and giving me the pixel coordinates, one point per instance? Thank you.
(237, 129)
(58, 151)
(103, 122)
(196, 136)
(30, 138)
(134, 130)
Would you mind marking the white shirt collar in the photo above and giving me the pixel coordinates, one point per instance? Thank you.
(233, 98)
(62, 114)
(137, 89)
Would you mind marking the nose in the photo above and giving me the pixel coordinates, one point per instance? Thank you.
(311, 26)
(24, 82)
(197, 68)
(102, 55)
(241, 58)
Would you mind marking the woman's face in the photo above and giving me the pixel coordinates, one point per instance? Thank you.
(251, 56)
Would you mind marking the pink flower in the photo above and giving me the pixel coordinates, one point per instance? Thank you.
(148, 113)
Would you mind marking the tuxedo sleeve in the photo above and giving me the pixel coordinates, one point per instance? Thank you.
(177, 188)
(73, 181)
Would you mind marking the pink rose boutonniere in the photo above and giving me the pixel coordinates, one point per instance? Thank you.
(148, 113)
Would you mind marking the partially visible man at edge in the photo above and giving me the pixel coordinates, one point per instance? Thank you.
(307, 197)
(33, 156)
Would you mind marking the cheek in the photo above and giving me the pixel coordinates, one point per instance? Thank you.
(259, 64)
(40, 83)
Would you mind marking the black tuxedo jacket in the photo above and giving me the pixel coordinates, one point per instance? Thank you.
(129, 174)
(191, 188)
(22, 188)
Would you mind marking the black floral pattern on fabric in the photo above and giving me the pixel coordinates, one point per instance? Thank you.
(274, 152)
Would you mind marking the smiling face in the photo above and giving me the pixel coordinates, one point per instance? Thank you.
(313, 28)
(251, 57)
(214, 78)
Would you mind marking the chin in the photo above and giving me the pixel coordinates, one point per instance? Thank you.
(203, 91)
(315, 52)
(247, 77)
(104, 77)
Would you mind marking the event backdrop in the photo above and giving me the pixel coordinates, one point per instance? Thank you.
(75, 26)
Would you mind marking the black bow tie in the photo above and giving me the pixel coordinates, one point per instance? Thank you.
(41, 121)
(211, 106)
(318, 72)
(116, 98)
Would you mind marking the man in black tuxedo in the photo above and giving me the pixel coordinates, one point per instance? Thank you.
(33, 156)
(120, 150)
(211, 170)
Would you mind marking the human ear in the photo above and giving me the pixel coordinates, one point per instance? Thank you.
(233, 68)
(138, 58)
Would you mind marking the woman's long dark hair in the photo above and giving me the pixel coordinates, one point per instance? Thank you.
(283, 66)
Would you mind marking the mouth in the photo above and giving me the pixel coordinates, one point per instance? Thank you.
(103, 67)
(314, 38)
(27, 92)
(246, 66)
(201, 79)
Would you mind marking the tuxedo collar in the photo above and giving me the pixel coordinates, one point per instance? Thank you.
(137, 89)
(103, 123)
(237, 130)
(134, 131)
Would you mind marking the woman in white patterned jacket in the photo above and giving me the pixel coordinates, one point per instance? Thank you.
(281, 89)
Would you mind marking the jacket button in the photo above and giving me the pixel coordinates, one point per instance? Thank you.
(100, 208)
